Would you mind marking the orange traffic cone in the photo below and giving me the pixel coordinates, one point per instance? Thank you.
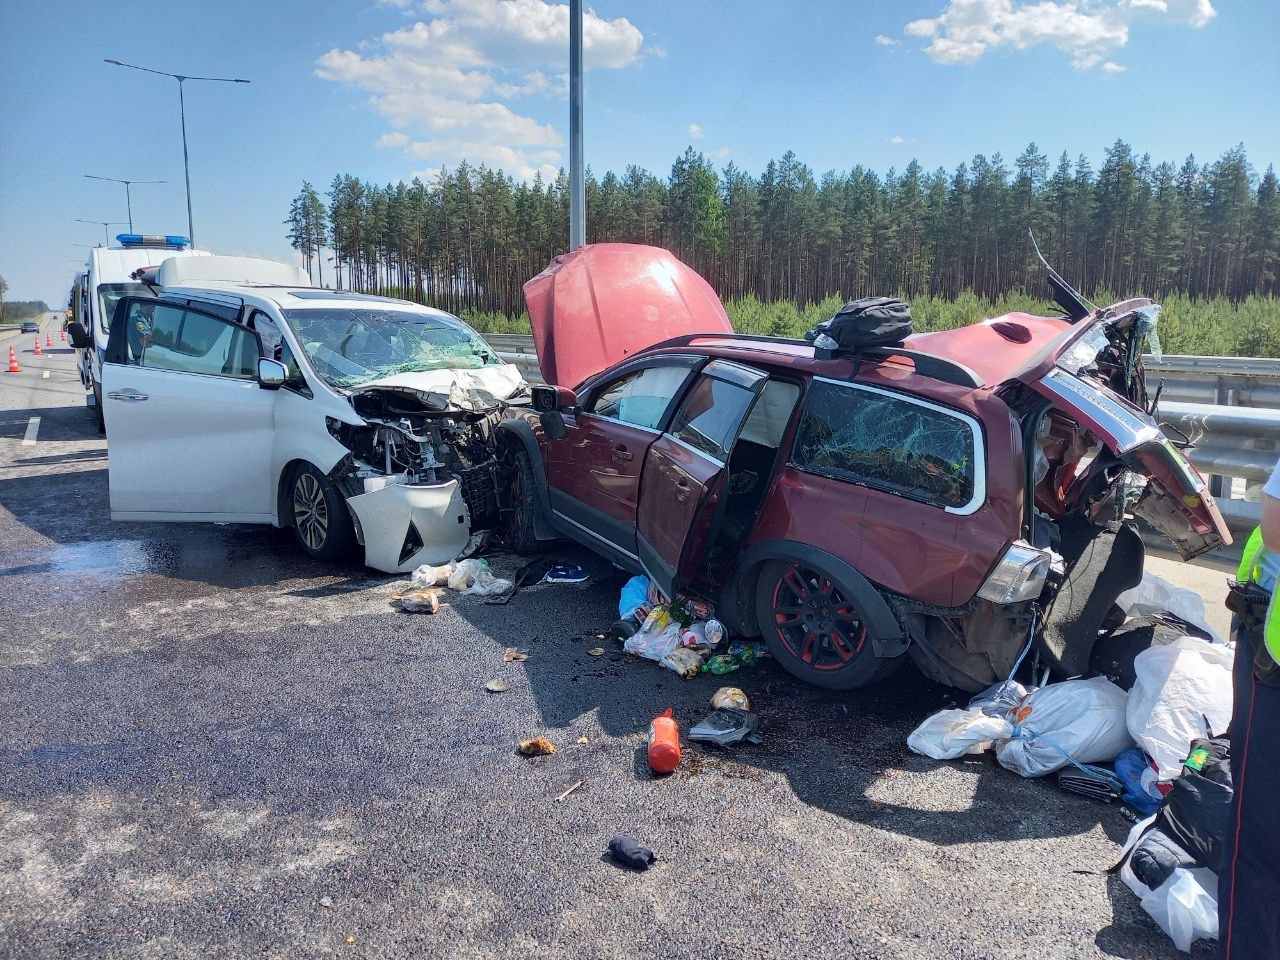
(64, 334)
(39, 352)
(48, 341)
(13, 361)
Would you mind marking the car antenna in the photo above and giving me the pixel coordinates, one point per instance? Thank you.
(1064, 295)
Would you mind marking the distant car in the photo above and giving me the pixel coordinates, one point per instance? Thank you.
(946, 498)
(30, 326)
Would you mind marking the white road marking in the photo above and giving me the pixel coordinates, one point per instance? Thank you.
(33, 427)
(45, 375)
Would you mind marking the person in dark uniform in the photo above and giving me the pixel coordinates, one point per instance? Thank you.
(1249, 878)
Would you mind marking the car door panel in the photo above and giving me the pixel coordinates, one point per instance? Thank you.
(184, 445)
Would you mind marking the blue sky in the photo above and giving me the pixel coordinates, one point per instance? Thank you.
(385, 89)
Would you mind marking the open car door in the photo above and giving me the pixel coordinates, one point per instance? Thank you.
(680, 485)
(190, 431)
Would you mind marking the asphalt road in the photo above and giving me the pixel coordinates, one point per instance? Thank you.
(210, 746)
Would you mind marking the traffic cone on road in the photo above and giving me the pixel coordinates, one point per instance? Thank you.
(13, 361)
(48, 341)
(64, 334)
(39, 352)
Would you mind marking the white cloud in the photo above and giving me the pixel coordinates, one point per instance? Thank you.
(898, 139)
(695, 131)
(447, 77)
(1112, 67)
(1088, 30)
(884, 41)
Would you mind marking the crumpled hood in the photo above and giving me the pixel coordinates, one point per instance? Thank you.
(594, 306)
(476, 389)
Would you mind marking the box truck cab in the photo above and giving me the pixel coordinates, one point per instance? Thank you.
(108, 278)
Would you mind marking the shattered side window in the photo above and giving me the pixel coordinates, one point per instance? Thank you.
(886, 442)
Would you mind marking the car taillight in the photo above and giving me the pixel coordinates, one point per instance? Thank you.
(1020, 575)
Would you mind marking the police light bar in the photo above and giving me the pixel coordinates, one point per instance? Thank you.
(152, 240)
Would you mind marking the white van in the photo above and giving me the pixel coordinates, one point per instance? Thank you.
(107, 278)
(237, 392)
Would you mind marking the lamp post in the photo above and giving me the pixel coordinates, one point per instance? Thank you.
(577, 175)
(182, 111)
(128, 200)
(104, 224)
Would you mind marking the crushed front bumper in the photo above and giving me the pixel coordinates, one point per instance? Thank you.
(406, 525)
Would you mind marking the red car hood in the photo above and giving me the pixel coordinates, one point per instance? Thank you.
(595, 306)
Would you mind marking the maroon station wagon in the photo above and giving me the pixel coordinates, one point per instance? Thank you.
(947, 499)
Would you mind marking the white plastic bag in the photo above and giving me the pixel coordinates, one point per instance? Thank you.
(653, 644)
(474, 577)
(429, 576)
(1156, 594)
(1182, 691)
(1185, 906)
(953, 733)
(1082, 718)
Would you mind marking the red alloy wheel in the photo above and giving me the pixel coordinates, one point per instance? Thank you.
(815, 622)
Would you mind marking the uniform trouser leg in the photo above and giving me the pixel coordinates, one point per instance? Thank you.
(1249, 879)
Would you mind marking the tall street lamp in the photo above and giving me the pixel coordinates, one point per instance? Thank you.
(104, 224)
(182, 108)
(128, 200)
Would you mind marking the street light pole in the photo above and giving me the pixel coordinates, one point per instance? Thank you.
(104, 224)
(128, 200)
(182, 112)
(577, 174)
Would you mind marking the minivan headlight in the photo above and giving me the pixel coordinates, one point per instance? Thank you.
(1020, 575)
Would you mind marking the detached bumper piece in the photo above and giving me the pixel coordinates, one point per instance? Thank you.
(406, 525)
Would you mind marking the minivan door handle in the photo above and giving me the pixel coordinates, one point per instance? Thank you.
(622, 454)
(130, 395)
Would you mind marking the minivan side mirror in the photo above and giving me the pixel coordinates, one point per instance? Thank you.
(80, 338)
(271, 373)
(549, 399)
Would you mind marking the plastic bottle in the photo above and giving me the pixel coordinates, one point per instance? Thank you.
(664, 743)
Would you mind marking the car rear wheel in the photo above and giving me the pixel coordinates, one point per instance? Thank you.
(321, 522)
(815, 629)
(519, 529)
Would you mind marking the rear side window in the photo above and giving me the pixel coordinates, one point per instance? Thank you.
(710, 416)
(892, 443)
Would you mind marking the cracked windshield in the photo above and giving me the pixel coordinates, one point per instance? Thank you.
(349, 347)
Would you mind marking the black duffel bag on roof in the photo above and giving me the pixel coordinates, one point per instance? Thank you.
(863, 323)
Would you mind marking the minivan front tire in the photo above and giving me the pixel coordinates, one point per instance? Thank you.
(320, 520)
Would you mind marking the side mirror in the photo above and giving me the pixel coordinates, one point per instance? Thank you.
(549, 399)
(80, 338)
(271, 373)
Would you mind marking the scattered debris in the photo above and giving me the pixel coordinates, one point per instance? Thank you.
(686, 661)
(537, 747)
(596, 651)
(1181, 691)
(474, 578)
(572, 787)
(628, 852)
(429, 576)
(564, 573)
(326, 902)
(721, 664)
(726, 726)
(583, 740)
(513, 655)
(419, 601)
(664, 743)
(730, 697)
(497, 686)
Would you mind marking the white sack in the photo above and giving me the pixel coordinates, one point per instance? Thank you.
(953, 733)
(1085, 718)
(1156, 594)
(1185, 906)
(1179, 687)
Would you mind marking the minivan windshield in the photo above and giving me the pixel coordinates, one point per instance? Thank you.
(349, 346)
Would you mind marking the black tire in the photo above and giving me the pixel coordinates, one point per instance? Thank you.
(97, 411)
(824, 639)
(318, 511)
(519, 529)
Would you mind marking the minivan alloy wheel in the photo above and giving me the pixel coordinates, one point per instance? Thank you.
(310, 511)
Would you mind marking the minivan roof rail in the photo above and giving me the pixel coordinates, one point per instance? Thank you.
(927, 364)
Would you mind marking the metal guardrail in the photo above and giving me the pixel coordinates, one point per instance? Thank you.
(1228, 407)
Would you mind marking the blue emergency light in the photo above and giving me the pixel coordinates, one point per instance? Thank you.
(152, 240)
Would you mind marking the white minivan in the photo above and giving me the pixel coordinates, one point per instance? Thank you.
(108, 276)
(234, 391)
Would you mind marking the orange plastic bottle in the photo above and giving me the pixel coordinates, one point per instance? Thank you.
(664, 744)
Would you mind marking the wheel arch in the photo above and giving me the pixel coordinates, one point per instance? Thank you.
(514, 435)
(737, 602)
(284, 515)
